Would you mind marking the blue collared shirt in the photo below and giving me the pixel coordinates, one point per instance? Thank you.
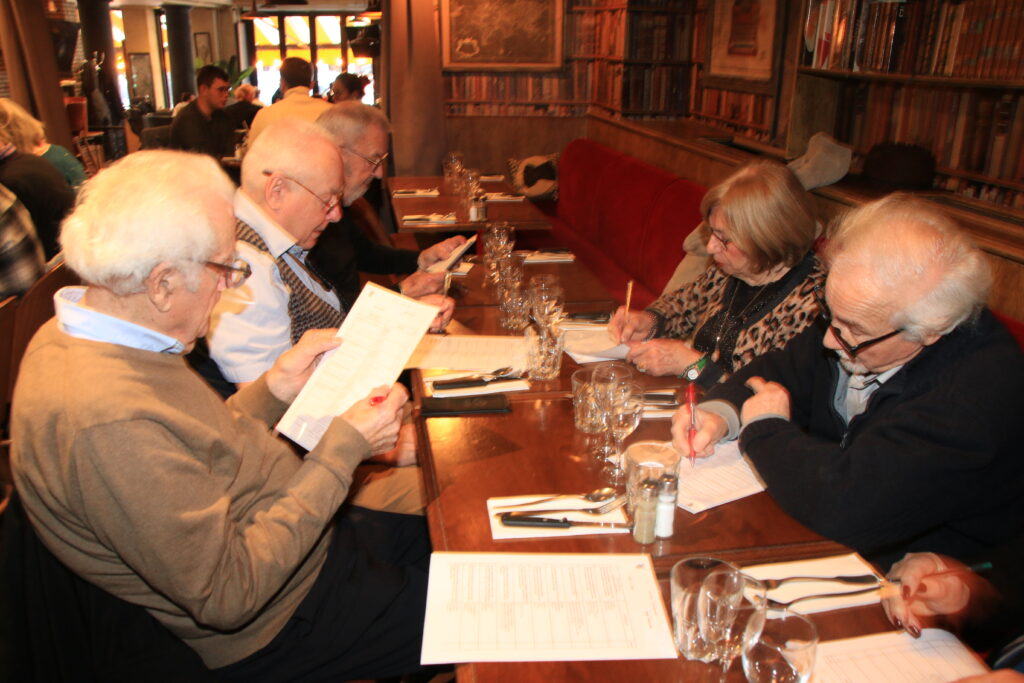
(80, 321)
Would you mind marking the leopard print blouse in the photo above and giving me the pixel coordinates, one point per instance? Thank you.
(682, 313)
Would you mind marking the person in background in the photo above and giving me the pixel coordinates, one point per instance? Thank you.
(21, 255)
(185, 99)
(296, 80)
(361, 133)
(142, 481)
(244, 110)
(202, 126)
(891, 425)
(348, 87)
(29, 137)
(984, 606)
(38, 184)
(758, 294)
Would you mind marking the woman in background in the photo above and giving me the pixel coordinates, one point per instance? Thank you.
(29, 137)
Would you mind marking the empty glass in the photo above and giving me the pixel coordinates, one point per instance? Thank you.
(587, 416)
(622, 418)
(686, 578)
(544, 352)
(728, 601)
(452, 166)
(510, 269)
(606, 381)
(779, 646)
(513, 308)
(547, 304)
(499, 238)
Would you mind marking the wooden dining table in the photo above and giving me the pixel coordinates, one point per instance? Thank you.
(536, 449)
(523, 215)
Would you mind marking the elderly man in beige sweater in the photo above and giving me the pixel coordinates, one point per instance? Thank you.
(140, 479)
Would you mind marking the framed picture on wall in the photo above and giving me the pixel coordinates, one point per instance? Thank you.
(744, 45)
(140, 76)
(204, 50)
(501, 35)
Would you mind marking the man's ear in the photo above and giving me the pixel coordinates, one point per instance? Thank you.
(161, 283)
(274, 191)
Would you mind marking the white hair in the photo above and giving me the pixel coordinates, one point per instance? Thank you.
(284, 146)
(148, 208)
(917, 257)
(347, 121)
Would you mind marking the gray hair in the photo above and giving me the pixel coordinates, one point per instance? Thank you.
(347, 121)
(282, 147)
(914, 252)
(149, 208)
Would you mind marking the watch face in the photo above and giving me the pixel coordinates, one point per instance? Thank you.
(692, 374)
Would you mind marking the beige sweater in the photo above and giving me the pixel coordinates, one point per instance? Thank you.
(143, 481)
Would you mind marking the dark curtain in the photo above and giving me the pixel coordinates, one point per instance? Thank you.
(413, 86)
(32, 66)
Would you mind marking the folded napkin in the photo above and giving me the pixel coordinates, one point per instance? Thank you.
(549, 257)
(722, 478)
(659, 412)
(503, 197)
(499, 531)
(429, 218)
(498, 386)
(431, 192)
(493, 178)
(838, 565)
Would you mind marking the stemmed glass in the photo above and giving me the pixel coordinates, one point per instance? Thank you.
(623, 419)
(547, 304)
(728, 601)
(609, 386)
(499, 238)
(779, 647)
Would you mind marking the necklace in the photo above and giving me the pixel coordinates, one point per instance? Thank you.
(725, 326)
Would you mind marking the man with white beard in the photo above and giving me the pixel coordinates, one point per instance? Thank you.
(901, 433)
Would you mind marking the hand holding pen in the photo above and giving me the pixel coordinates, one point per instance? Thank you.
(931, 585)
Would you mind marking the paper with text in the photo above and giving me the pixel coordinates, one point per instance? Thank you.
(446, 264)
(512, 607)
(937, 656)
(724, 477)
(470, 352)
(378, 336)
(837, 565)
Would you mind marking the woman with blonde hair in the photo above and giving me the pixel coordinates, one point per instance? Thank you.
(758, 294)
(29, 137)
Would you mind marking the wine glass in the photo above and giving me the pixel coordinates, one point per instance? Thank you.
(623, 408)
(728, 601)
(779, 647)
(547, 304)
(499, 238)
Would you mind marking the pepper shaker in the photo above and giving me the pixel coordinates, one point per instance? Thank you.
(645, 511)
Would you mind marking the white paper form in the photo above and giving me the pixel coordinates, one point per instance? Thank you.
(722, 478)
(936, 657)
(470, 352)
(378, 335)
(445, 264)
(516, 607)
(592, 346)
(837, 565)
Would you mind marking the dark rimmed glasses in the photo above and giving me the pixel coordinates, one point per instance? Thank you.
(374, 163)
(329, 204)
(850, 349)
(235, 273)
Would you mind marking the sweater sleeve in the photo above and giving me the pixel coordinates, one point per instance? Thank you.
(380, 259)
(167, 513)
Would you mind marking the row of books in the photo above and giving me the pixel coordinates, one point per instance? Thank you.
(654, 36)
(513, 109)
(956, 38)
(977, 131)
(746, 112)
(986, 192)
(571, 84)
(635, 88)
(596, 33)
(646, 4)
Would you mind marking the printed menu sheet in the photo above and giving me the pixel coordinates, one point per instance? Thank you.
(525, 607)
(935, 657)
(378, 336)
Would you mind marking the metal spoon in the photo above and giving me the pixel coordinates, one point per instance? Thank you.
(596, 496)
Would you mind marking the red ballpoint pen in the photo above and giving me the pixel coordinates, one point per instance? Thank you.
(691, 401)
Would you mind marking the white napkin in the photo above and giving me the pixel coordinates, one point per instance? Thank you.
(503, 197)
(495, 387)
(429, 218)
(548, 257)
(658, 412)
(493, 178)
(838, 565)
(592, 346)
(499, 531)
(431, 192)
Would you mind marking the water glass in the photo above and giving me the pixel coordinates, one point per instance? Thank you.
(647, 460)
(513, 308)
(779, 646)
(499, 238)
(452, 166)
(547, 304)
(686, 578)
(587, 416)
(729, 600)
(510, 270)
(544, 352)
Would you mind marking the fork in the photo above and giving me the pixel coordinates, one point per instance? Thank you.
(777, 604)
(602, 509)
(860, 579)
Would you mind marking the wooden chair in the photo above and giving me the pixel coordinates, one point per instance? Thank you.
(35, 308)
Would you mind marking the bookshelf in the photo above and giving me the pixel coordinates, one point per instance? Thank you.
(623, 57)
(945, 75)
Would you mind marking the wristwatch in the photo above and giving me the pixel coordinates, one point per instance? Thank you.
(693, 370)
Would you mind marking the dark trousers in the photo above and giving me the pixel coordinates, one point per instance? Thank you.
(363, 617)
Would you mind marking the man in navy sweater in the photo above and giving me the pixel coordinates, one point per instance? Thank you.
(891, 425)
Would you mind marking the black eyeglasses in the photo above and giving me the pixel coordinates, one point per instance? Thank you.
(329, 204)
(850, 349)
(374, 163)
(235, 273)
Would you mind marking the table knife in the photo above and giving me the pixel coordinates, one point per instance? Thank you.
(555, 523)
